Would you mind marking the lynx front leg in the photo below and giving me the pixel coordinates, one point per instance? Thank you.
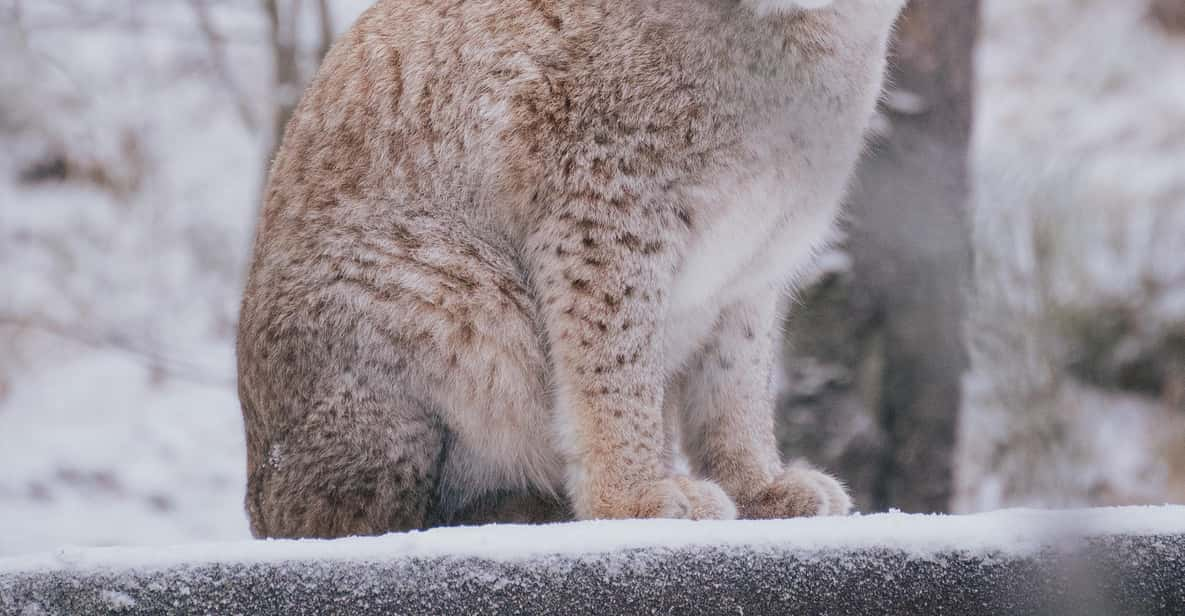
(602, 280)
(729, 425)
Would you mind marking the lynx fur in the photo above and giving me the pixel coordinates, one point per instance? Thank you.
(519, 257)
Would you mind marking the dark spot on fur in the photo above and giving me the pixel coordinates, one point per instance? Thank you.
(404, 238)
(601, 169)
(588, 224)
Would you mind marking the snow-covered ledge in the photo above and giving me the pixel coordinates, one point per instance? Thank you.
(1104, 561)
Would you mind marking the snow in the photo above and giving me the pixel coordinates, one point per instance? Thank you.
(1080, 181)
(119, 289)
(117, 600)
(96, 476)
(1013, 532)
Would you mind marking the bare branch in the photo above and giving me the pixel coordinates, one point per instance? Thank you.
(170, 366)
(161, 363)
(217, 46)
(282, 29)
(326, 21)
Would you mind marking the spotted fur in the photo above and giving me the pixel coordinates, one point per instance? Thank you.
(518, 257)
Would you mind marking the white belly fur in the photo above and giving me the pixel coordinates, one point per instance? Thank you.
(765, 235)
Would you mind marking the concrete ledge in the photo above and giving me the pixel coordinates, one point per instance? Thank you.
(1113, 561)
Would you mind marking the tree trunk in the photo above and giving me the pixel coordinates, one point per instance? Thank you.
(1170, 14)
(875, 355)
(325, 22)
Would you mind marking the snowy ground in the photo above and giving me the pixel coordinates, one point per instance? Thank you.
(119, 423)
(1014, 531)
(1116, 561)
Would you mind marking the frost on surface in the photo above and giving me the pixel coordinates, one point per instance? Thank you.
(117, 599)
(1005, 562)
(1018, 532)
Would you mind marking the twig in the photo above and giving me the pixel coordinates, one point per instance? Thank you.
(170, 366)
(282, 30)
(217, 47)
(326, 17)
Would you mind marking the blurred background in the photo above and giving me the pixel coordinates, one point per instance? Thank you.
(1005, 325)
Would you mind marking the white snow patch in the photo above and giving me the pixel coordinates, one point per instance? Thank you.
(117, 599)
(1018, 531)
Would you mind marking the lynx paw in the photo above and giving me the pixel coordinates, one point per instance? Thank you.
(684, 497)
(676, 497)
(797, 492)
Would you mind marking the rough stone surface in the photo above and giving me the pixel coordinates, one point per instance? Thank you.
(1137, 573)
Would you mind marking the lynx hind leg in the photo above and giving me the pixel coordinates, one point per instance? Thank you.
(798, 491)
(348, 472)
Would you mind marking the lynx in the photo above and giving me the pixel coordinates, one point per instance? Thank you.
(521, 260)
